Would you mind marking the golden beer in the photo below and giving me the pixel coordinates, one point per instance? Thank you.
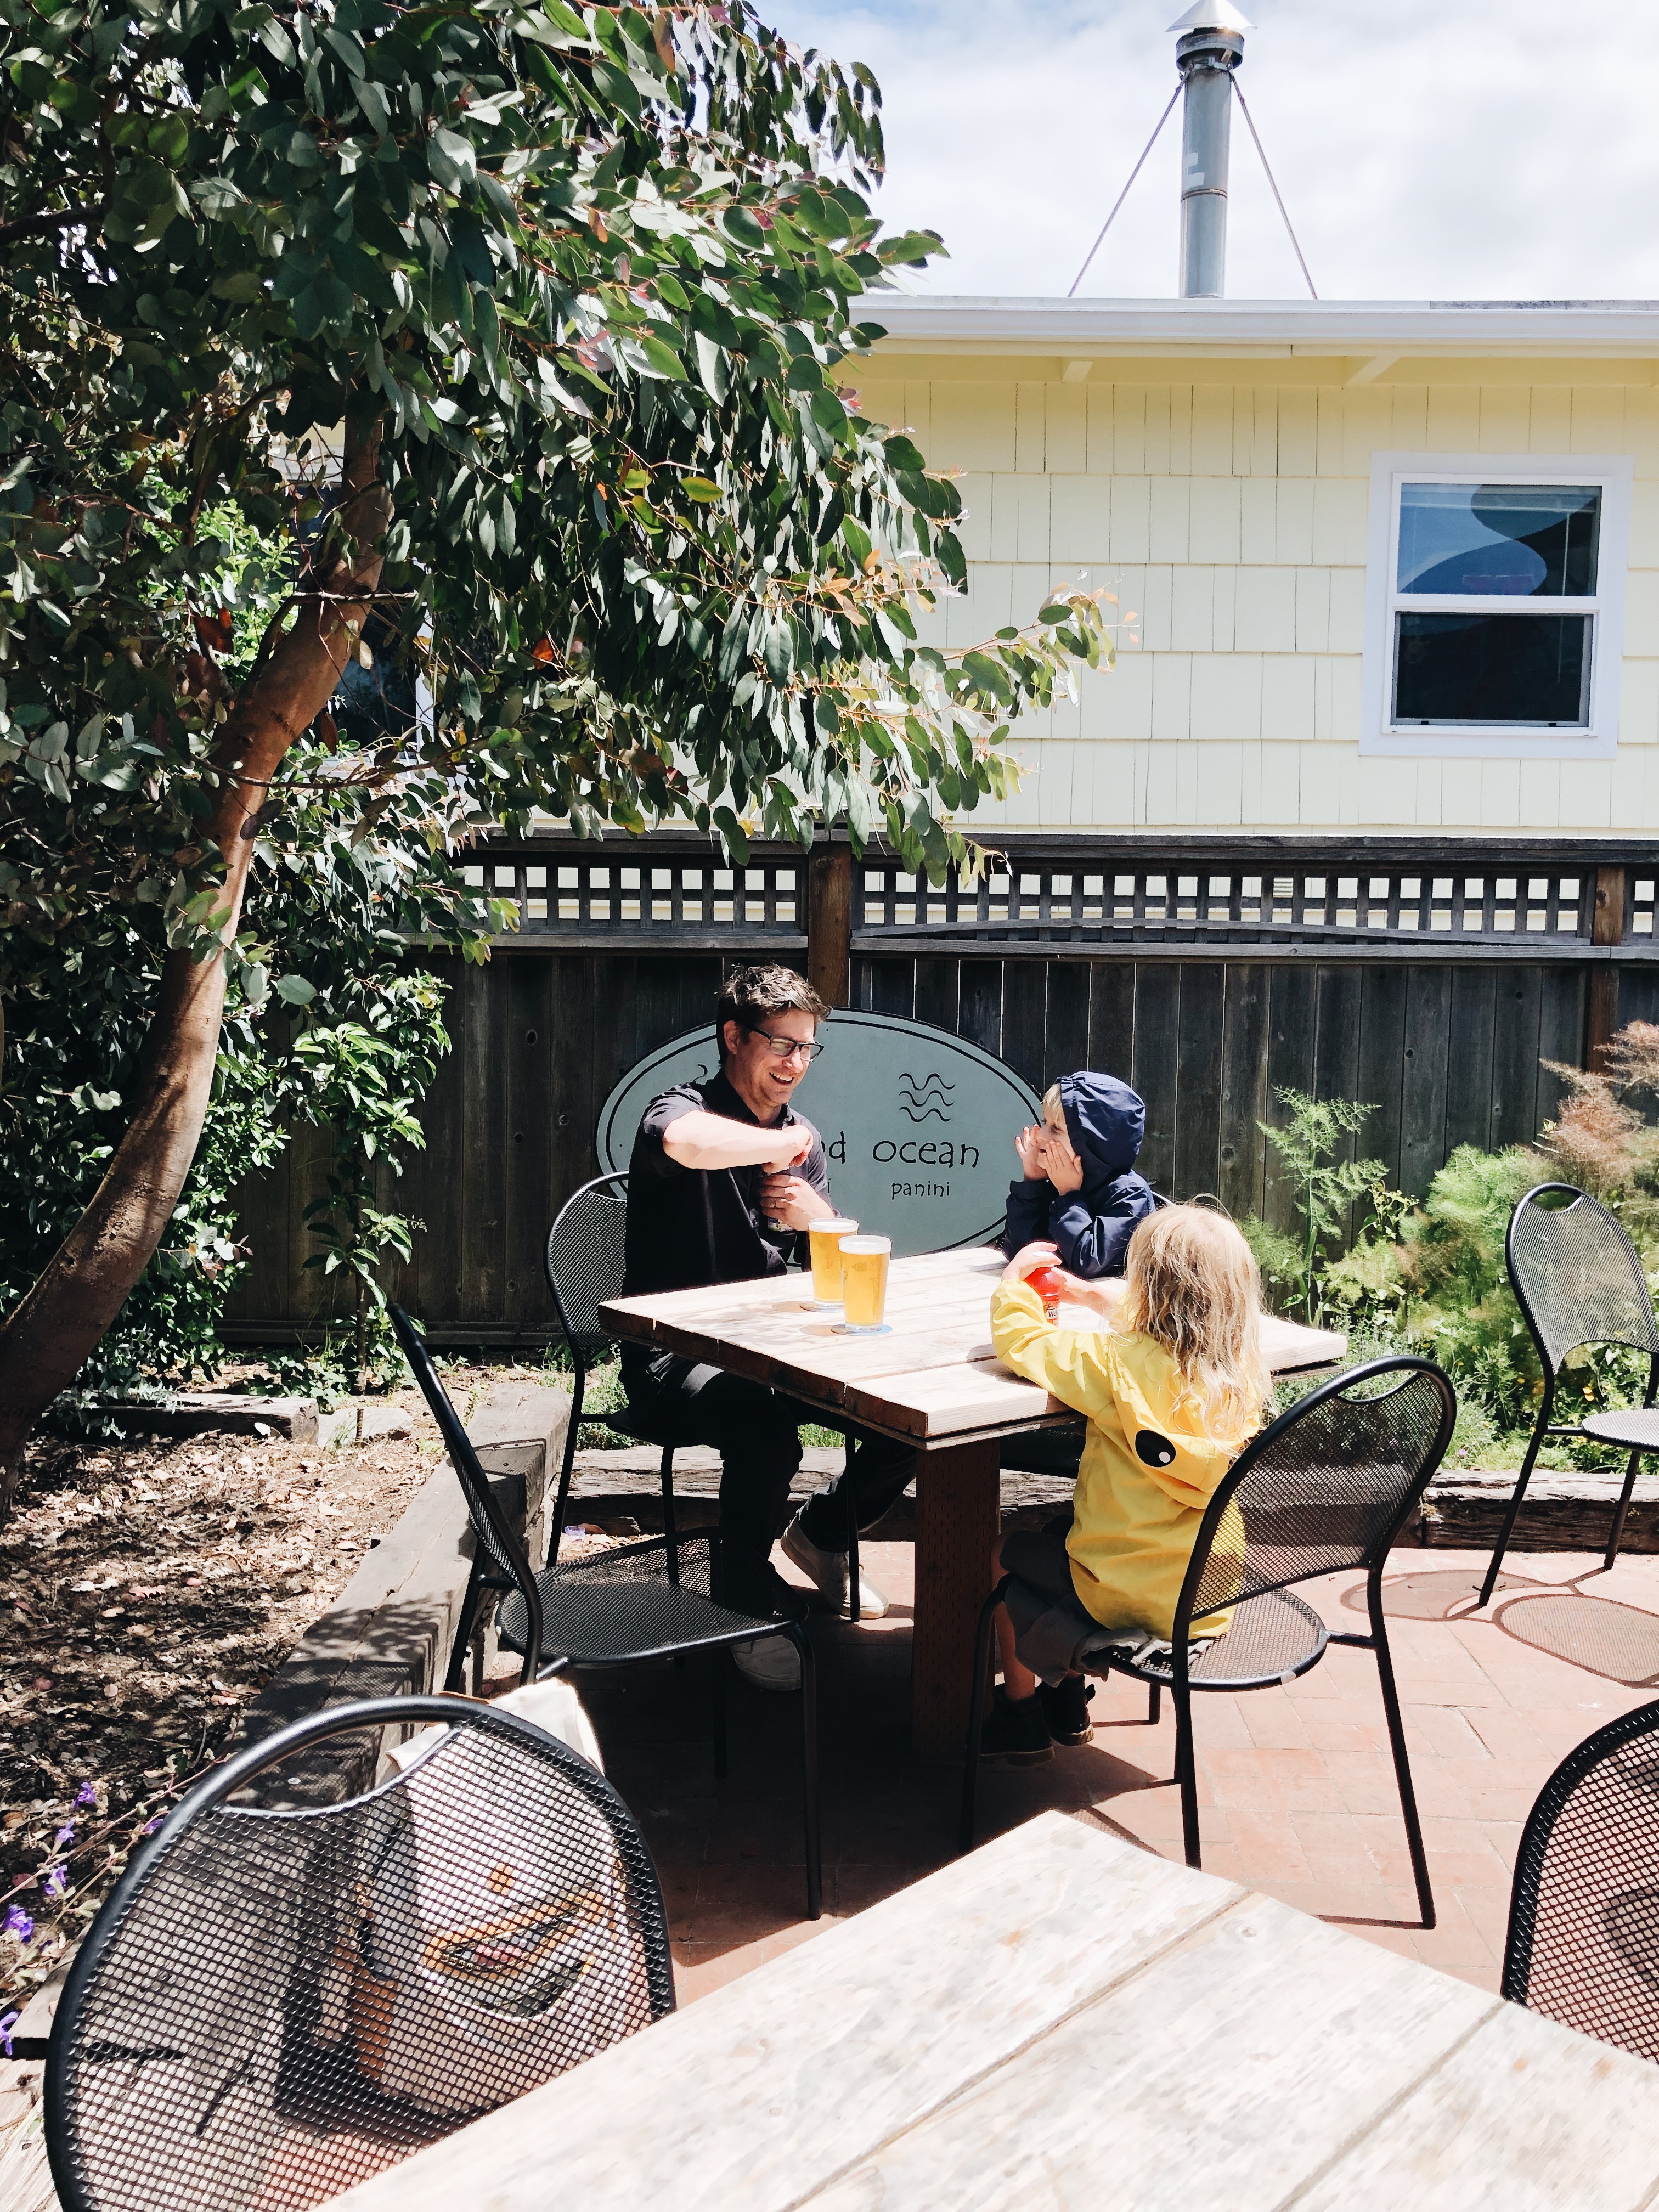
(863, 1281)
(826, 1237)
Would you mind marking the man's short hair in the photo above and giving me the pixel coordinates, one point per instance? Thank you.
(750, 996)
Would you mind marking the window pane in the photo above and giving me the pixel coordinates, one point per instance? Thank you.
(1492, 668)
(1508, 539)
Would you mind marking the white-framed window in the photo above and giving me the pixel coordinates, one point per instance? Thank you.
(1495, 602)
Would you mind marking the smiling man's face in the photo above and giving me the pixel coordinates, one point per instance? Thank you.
(763, 1078)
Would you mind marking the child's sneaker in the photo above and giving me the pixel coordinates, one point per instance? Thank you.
(1066, 1709)
(1015, 1732)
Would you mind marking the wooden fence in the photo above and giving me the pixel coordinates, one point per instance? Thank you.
(1432, 984)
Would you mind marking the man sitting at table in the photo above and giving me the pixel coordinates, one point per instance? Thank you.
(724, 1181)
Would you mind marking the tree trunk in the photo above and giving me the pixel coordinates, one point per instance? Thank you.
(46, 1339)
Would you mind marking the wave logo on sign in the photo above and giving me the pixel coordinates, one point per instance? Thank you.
(929, 1097)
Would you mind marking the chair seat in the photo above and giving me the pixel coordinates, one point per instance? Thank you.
(1638, 1427)
(621, 1606)
(1271, 1636)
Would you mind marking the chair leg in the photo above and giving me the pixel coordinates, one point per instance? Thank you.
(1403, 1772)
(1495, 1563)
(1154, 1704)
(1614, 1540)
(1187, 1776)
(669, 1528)
(464, 1628)
(808, 1753)
(976, 1722)
(718, 1664)
(852, 1536)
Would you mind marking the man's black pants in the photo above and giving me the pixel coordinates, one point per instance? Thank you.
(756, 1431)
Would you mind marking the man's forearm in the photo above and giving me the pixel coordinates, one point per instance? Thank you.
(710, 1141)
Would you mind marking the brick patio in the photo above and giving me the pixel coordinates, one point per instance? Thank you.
(1296, 1785)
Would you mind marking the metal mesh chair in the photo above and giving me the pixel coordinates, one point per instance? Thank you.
(1578, 1280)
(1583, 1940)
(655, 1600)
(1329, 1486)
(278, 2001)
(584, 1262)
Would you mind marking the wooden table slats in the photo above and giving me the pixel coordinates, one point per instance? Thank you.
(1063, 2020)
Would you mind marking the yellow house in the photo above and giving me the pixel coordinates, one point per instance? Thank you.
(1382, 568)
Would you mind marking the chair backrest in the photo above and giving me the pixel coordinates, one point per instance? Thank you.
(585, 1261)
(1576, 1276)
(277, 2002)
(496, 1537)
(1583, 1940)
(1328, 1485)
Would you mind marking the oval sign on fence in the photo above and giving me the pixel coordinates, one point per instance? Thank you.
(919, 1125)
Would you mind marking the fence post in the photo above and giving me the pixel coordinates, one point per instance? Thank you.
(1606, 928)
(829, 923)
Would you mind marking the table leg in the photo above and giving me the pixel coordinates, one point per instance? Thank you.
(958, 1500)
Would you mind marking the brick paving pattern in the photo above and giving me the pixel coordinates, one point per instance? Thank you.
(1296, 1785)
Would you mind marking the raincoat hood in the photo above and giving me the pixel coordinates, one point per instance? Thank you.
(1105, 1121)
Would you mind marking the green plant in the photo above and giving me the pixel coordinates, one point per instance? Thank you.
(520, 338)
(1324, 1188)
(362, 1079)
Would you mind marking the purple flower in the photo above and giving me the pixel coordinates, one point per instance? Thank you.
(66, 1835)
(86, 1794)
(57, 1880)
(8, 2021)
(150, 1826)
(18, 1924)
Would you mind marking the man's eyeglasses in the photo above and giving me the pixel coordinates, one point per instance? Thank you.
(780, 1048)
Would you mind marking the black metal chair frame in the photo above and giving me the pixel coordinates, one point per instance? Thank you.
(622, 1424)
(1552, 1800)
(62, 2129)
(502, 1567)
(1544, 1426)
(1174, 1673)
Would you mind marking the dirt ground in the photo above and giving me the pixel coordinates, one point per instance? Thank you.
(149, 1589)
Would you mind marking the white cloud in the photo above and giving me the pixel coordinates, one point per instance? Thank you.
(1427, 151)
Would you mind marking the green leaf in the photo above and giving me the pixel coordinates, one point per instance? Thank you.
(449, 158)
(294, 991)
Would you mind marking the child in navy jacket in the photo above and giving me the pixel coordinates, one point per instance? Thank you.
(1080, 1190)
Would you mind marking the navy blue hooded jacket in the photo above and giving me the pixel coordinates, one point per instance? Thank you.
(1105, 1121)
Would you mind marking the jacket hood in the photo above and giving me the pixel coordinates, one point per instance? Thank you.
(1105, 1120)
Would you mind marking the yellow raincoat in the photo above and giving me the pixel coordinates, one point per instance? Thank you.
(1148, 1468)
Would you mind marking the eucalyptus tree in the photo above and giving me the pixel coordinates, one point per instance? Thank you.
(518, 338)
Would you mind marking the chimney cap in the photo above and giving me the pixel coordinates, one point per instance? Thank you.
(1212, 15)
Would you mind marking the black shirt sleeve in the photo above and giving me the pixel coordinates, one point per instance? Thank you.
(650, 1156)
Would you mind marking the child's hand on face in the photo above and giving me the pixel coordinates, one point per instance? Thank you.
(1060, 1164)
(1028, 1145)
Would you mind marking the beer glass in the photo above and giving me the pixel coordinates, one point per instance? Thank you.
(864, 1282)
(826, 1237)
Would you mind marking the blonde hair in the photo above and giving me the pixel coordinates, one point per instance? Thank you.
(1194, 1288)
(1053, 1110)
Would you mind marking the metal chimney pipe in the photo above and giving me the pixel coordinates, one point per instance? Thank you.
(1210, 50)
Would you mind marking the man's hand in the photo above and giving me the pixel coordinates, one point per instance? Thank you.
(1029, 1145)
(710, 1141)
(793, 1201)
(1060, 1164)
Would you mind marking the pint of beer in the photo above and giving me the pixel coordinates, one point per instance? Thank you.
(863, 1281)
(826, 1237)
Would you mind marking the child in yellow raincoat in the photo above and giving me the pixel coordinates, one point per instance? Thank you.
(1173, 1390)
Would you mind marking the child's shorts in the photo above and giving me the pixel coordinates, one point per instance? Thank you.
(1049, 1621)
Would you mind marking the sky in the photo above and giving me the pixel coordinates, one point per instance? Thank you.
(1428, 150)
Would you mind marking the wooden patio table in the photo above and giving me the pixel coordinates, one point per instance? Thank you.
(932, 1379)
(1064, 2022)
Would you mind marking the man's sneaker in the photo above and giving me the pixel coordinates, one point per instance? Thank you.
(1066, 1709)
(754, 1587)
(829, 1571)
(1015, 1732)
(770, 1662)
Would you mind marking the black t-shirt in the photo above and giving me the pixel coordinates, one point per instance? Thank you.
(689, 1227)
